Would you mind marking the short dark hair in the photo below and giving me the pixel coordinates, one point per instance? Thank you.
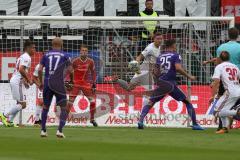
(233, 33)
(27, 44)
(148, 1)
(224, 56)
(169, 42)
(83, 46)
(157, 34)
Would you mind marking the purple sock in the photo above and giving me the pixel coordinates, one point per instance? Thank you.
(144, 112)
(191, 113)
(63, 117)
(44, 119)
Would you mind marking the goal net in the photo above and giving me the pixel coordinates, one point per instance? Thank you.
(113, 42)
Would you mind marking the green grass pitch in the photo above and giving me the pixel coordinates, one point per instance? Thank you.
(118, 144)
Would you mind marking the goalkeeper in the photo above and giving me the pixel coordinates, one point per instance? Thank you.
(84, 66)
(143, 75)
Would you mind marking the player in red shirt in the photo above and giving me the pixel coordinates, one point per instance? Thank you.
(84, 68)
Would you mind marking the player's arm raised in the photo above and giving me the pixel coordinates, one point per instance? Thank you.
(140, 58)
(213, 60)
(144, 53)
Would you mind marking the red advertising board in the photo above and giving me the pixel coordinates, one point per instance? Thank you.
(199, 93)
(231, 8)
(111, 97)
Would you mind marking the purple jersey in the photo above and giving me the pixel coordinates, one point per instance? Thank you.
(55, 63)
(166, 61)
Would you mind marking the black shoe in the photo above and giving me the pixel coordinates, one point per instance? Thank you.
(140, 125)
(94, 123)
(38, 122)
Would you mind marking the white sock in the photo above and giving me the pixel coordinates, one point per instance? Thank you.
(145, 100)
(225, 122)
(38, 112)
(227, 113)
(12, 112)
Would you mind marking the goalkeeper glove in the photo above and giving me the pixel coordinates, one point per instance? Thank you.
(94, 87)
(69, 85)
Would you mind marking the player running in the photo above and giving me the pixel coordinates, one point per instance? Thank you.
(229, 74)
(167, 64)
(19, 82)
(83, 68)
(55, 62)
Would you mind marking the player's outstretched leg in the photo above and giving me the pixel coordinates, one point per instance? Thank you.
(122, 83)
(43, 123)
(158, 94)
(192, 114)
(144, 113)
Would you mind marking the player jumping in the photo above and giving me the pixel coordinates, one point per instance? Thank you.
(144, 75)
(19, 82)
(83, 67)
(229, 74)
(167, 64)
(55, 62)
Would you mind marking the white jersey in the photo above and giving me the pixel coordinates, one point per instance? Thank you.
(23, 60)
(35, 73)
(229, 74)
(150, 53)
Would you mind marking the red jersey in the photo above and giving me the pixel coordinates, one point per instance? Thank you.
(82, 70)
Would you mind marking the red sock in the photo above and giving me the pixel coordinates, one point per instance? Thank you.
(92, 110)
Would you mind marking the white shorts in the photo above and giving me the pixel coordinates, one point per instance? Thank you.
(225, 102)
(145, 79)
(18, 91)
